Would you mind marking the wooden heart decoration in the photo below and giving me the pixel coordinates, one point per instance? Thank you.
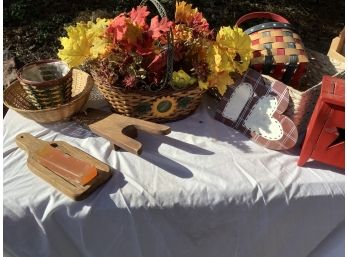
(255, 106)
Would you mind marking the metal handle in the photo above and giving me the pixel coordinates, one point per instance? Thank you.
(169, 47)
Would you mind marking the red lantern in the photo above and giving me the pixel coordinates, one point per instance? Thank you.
(324, 140)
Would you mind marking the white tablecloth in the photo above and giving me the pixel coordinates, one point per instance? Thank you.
(204, 190)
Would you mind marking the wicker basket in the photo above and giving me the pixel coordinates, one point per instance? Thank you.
(163, 106)
(16, 99)
(47, 83)
(303, 99)
(278, 50)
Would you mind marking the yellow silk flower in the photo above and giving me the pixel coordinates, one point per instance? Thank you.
(220, 80)
(220, 59)
(231, 51)
(237, 42)
(133, 33)
(100, 43)
(181, 79)
(83, 41)
(182, 33)
(184, 12)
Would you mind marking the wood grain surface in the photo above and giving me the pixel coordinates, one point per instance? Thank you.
(77, 192)
(119, 129)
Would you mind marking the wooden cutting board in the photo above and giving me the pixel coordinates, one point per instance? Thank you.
(77, 192)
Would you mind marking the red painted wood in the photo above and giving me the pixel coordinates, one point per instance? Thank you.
(257, 54)
(333, 155)
(255, 42)
(278, 71)
(320, 114)
(279, 39)
(322, 131)
(301, 69)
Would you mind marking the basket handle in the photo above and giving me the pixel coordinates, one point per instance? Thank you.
(170, 44)
(261, 15)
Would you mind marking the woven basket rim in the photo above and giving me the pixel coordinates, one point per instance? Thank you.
(149, 93)
(76, 98)
(267, 26)
(44, 83)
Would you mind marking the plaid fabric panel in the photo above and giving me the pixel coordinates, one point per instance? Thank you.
(261, 87)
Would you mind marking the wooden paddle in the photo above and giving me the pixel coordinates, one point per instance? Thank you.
(74, 190)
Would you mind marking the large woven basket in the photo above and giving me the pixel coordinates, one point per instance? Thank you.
(304, 98)
(17, 99)
(47, 83)
(163, 106)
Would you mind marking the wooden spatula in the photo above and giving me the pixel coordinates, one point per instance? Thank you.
(118, 129)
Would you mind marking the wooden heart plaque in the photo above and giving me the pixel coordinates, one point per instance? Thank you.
(255, 107)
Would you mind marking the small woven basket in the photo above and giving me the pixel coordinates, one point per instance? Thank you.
(47, 83)
(303, 98)
(278, 50)
(16, 98)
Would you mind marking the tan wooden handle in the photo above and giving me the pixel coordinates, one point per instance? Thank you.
(28, 142)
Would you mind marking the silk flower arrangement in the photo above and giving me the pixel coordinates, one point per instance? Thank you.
(128, 56)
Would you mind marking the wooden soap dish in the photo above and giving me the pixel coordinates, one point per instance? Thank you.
(77, 192)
